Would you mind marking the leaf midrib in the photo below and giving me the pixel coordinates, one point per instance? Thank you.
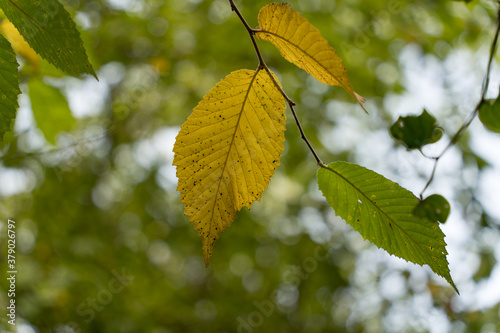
(231, 146)
(307, 54)
(377, 207)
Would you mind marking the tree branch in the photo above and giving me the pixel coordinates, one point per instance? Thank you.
(251, 32)
(263, 65)
(474, 113)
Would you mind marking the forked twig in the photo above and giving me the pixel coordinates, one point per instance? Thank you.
(474, 113)
(263, 65)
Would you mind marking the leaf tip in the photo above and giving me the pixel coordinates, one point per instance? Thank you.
(450, 281)
(455, 288)
(207, 250)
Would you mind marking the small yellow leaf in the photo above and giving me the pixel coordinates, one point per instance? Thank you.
(302, 44)
(227, 150)
(18, 43)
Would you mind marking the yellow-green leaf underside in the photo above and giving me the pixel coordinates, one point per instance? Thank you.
(227, 150)
(50, 109)
(302, 44)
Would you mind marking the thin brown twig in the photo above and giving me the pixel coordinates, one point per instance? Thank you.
(291, 104)
(251, 32)
(262, 65)
(472, 116)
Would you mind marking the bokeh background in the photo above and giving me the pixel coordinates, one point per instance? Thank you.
(102, 242)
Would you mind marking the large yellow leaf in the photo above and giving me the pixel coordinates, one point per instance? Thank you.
(302, 44)
(227, 150)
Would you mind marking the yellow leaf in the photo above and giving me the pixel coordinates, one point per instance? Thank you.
(227, 150)
(18, 43)
(302, 44)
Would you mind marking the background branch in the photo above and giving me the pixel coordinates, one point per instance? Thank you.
(474, 113)
(263, 65)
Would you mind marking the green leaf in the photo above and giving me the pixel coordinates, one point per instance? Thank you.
(382, 212)
(489, 114)
(435, 207)
(50, 31)
(416, 131)
(50, 108)
(9, 87)
(488, 263)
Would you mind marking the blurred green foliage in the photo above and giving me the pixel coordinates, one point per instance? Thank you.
(102, 202)
(50, 109)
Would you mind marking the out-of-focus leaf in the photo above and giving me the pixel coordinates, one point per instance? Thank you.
(489, 114)
(435, 207)
(481, 163)
(9, 87)
(488, 262)
(382, 212)
(302, 44)
(227, 150)
(50, 31)
(50, 108)
(416, 131)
